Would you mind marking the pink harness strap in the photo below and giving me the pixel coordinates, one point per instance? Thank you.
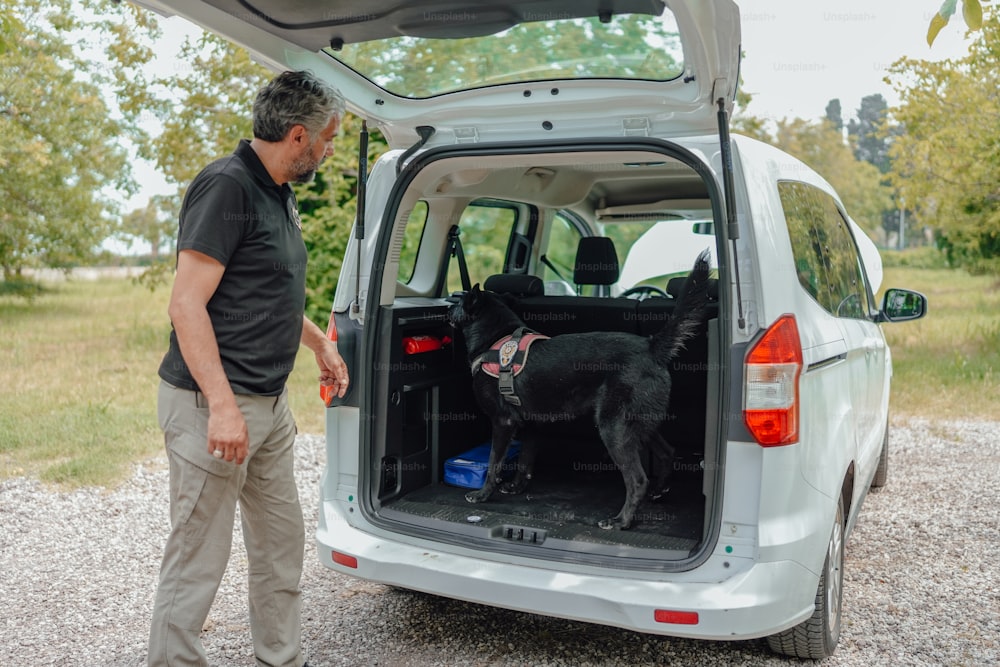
(507, 354)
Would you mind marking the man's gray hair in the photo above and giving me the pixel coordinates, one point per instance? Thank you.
(295, 98)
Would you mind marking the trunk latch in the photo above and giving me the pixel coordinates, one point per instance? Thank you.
(521, 534)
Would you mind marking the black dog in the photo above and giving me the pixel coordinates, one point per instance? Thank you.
(558, 379)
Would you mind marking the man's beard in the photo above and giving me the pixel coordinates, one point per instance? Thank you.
(303, 168)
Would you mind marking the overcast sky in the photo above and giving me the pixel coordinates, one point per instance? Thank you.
(799, 54)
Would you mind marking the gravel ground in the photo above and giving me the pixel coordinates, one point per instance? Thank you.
(78, 571)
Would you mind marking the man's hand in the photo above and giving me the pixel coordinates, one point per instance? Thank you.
(332, 369)
(227, 433)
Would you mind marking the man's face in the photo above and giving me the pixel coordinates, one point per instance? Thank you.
(304, 165)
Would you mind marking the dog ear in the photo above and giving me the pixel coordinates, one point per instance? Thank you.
(471, 296)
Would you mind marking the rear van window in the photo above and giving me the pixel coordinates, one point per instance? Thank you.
(486, 229)
(826, 257)
(411, 241)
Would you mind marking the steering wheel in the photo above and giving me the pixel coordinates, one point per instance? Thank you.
(641, 292)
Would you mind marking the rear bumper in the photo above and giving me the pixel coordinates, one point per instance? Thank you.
(759, 600)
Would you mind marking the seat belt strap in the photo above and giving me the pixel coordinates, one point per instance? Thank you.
(455, 250)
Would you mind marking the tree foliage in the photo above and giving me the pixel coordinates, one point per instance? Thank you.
(834, 114)
(972, 14)
(60, 147)
(820, 145)
(203, 105)
(947, 163)
(543, 49)
(871, 142)
(154, 223)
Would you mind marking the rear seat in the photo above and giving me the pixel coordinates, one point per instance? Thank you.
(555, 315)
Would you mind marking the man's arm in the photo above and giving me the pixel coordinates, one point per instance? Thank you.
(198, 276)
(332, 369)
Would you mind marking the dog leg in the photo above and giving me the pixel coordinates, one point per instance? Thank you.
(661, 466)
(502, 435)
(525, 468)
(625, 452)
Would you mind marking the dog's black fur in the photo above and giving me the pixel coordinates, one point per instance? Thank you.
(619, 379)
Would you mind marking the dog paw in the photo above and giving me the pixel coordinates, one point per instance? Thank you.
(612, 524)
(657, 495)
(476, 496)
(513, 488)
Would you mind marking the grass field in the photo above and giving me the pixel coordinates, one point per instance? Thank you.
(947, 365)
(78, 381)
(78, 371)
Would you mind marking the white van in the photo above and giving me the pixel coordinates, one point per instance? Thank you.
(575, 155)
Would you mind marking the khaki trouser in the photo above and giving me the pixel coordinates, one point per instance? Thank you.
(203, 496)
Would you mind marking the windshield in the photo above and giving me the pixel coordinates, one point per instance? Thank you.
(632, 46)
(655, 251)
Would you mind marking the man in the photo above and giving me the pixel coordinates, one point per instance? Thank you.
(237, 314)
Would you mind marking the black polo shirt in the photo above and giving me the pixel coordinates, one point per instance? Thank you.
(235, 213)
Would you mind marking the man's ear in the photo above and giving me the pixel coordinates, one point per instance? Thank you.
(297, 134)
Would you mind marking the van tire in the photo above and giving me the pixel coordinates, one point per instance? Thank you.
(882, 471)
(816, 637)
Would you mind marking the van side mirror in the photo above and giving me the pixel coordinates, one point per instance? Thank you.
(900, 305)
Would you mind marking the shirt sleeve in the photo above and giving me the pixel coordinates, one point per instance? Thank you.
(215, 217)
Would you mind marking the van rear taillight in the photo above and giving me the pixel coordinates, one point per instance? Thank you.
(771, 385)
(675, 617)
(326, 392)
(345, 560)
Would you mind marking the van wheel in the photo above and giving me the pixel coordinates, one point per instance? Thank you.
(817, 637)
(882, 471)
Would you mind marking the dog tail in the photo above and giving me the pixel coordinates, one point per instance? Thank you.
(687, 316)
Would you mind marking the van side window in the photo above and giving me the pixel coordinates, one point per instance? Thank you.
(826, 257)
(411, 241)
(560, 251)
(486, 229)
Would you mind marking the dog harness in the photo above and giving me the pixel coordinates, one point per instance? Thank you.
(505, 359)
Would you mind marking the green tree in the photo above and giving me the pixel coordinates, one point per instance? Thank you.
(822, 147)
(203, 105)
(872, 135)
(60, 150)
(155, 223)
(745, 122)
(834, 114)
(871, 143)
(430, 67)
(947, 163)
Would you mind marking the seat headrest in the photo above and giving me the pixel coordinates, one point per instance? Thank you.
(516, 284)
(596, 261)
(676, 284)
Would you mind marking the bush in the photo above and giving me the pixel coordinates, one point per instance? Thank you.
(21, 287)
(923, 257)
